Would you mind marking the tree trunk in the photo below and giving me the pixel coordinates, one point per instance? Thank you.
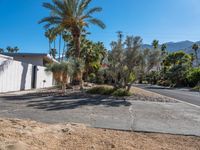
(64, 88)
(63, 53)
(76, 37)
(197, 59)
(54, 44)
(77, 46)
(60, 46)
(49, 46)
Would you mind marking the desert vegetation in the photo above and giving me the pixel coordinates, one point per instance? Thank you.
(125, 63)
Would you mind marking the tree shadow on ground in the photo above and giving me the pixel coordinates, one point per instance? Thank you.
(68, 101)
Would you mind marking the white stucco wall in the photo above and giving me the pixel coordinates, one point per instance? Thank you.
(42, 76)
(16, 76)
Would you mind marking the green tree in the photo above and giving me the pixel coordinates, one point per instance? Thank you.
(72, 16)
(15, 49)
(61, 73)
(53, 53)
(124, 58)
(12, 50)
(1, 50)
(177, 64)
(51, 36)
(195, 47)
(155, 44)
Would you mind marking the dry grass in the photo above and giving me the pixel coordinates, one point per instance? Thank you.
(20, 135)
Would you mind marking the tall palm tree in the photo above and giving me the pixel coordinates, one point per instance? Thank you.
(1, 50)
(163, 47)
(51, 36)
(15, 49)
(155, 44)
(195, 47)
(73, 16)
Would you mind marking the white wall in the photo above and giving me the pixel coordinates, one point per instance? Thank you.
(16, 76)
(42, 76)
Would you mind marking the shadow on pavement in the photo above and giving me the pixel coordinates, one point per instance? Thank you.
(52, 101)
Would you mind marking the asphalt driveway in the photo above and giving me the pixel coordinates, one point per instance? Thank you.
(182, 94)
(103, 112)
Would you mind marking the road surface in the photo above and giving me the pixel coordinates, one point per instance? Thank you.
(179, 94)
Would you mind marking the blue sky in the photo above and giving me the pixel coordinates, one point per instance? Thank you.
(165, 20)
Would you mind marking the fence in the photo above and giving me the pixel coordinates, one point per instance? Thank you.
(17, 76)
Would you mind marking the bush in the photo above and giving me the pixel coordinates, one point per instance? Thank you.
(197, 88)
(121, 93)
(193, 76)
(109, 91)
(164, 82)
(101, 90)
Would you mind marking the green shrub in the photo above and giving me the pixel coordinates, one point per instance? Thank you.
(193, 76)
(164, 82)
(101, 90)
(109, 91)
(197, 88)
(121, 93)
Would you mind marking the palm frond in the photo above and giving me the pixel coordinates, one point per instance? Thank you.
(97, 22)
(93, 10)
(83, 6)
(55, 10)
(50, 19)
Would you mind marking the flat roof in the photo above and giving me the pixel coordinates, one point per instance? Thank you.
(25, 54)
(45, 55)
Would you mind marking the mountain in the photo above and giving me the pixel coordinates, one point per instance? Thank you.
(176, 46)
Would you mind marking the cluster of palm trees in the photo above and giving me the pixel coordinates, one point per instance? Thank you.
(72, 16)
(69, 20)
(10, 49)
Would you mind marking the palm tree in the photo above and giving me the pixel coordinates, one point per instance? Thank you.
(10, 49)
(1, 50)
(195, 47)
(61, 73)
(73, 16)
(163, 50)
(51, 37)
(163, 47)
(155, 44)
(53, 53)
(15, 49)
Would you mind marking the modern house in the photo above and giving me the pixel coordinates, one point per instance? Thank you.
(24, 71)
(38, 59)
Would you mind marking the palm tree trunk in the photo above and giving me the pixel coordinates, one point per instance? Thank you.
(63, 53)
(54, 44)
(60, 46)
(49, 46)
(77, 45)
(76, 38)
(197, 59)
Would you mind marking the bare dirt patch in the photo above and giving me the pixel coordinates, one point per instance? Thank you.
(143, 95)
(21, 135)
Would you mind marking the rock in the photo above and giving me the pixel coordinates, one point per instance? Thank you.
(16, 146)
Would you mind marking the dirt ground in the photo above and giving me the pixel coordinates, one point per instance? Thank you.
(30, 135)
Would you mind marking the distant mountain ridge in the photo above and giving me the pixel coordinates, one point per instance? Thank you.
(176, 46)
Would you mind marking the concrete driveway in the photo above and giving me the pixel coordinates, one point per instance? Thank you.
(103, 112)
